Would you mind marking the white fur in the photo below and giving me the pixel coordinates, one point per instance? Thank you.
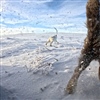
(52, 39)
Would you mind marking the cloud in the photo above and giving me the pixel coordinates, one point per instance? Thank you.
(62, 14)
(2, 5)
(15, 21)
(2, 26)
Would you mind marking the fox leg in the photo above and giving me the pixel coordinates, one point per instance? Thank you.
(84, 62)
(47, 42)
(57, 42)
(51, 43)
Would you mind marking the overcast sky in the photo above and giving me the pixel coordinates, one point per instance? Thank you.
(43, 15)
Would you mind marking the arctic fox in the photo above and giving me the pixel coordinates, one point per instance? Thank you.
(52, 38)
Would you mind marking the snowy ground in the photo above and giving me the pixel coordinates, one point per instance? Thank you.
(32, 71)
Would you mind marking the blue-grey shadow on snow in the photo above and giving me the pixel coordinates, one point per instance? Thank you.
(6, 94)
